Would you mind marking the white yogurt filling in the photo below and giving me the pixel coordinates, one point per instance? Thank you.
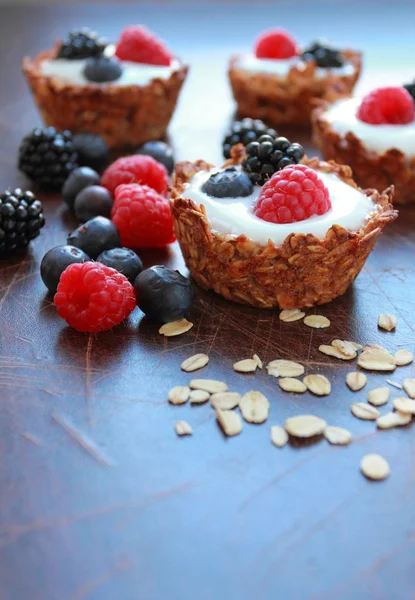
(133, 73)
(281, 67)
(349, 208)
(342, 117)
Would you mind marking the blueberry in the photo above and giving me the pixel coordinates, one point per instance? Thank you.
(93, 201)
(163, 294)
(78, 180)
(160, 151)
(55, 262)
(229, 183)
(92, 150)
(123, 260)
(95, 236)
(102, 69)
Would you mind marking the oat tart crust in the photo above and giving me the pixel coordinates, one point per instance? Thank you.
(303, 271)
(370, 169)
(289, 100)
(124, 115)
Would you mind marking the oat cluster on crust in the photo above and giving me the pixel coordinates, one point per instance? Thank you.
(122, 115)
(303, 271)
(369, 168)
(289, 100)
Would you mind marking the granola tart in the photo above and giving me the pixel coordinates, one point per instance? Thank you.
(285, 90)
(126, 112)
(302, 271)
(379, 155)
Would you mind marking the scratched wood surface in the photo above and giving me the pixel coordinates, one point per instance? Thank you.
(99, 500)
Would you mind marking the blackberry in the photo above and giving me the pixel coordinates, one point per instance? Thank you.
(92, 150)
(47, 157)
(324, 56)
(83, 43)
(228, 183)
(268, 155)
(410, 87)
(244, 132)
(21, 219)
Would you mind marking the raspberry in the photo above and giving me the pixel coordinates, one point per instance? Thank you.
(276, 43)
(292, 194)
(388, 105)
(92, 297)
(138, 44)
(142, 217)
(136, 169)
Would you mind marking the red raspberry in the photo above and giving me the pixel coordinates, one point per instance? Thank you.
(388, 105)
(136, 169)
(276, 43)
(93, 297)
(293, 194)
(138, 44)
(142, 217)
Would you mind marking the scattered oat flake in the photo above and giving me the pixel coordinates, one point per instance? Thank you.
(376, 361)
(337, 435)
(183, 428)
(409, 387)
(394, 383)
(279, 437)
(404, 405)
(333, 351)
(305, 426)
(364, 411)
(248, 365)
(254, 407)
(387, 322)
(317, 321)
(318, 384)
(289, 384)
(289, 316)
(393, 419)
(356, 380)
(179, 394)
(379, 396)
(208, 385)
(285, 368)
(199, 396)
(225, 400)
(175, 328)
(374, 466)
(258, 361)
(347, 348)
(193, 363)
(403, 357)
(230, 421)
(376, 350)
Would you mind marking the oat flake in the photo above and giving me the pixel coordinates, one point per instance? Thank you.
(387, 322)
(225, 400)
(379, 396)
(179, 394)
(305, 426)
(279, 437)
(337, 435)
(193, 363)
(318, 384)
(289, 316)
(254, 407)
(183, 428)
(175, 328)
(289, 384)
(230, 421)
(317, 321)
(364, 411)
(356, 380)
(374, 466)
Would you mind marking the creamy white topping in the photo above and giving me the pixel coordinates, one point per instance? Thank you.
(281, 67)
(349, 208)
(342, 117)
(133, 73)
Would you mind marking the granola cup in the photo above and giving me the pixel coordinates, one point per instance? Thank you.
(289, 100)
(124, 116)
(302, 272)
(370, 169)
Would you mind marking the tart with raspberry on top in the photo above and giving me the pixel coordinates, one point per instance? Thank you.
(272, 228)
(125, 92)
(375, 136)
(279, 82)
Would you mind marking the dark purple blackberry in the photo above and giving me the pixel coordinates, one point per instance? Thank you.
(324, 56)
(83, 43)
(268, 155)
(21, 219)
(410, 87)
(244, 132)
(47, 157)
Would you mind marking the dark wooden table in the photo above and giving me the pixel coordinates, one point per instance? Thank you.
(99, 499)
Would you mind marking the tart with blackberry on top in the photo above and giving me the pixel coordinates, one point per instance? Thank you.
(275, 232)
(126, 92)
(375, 136)
(279, 82)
